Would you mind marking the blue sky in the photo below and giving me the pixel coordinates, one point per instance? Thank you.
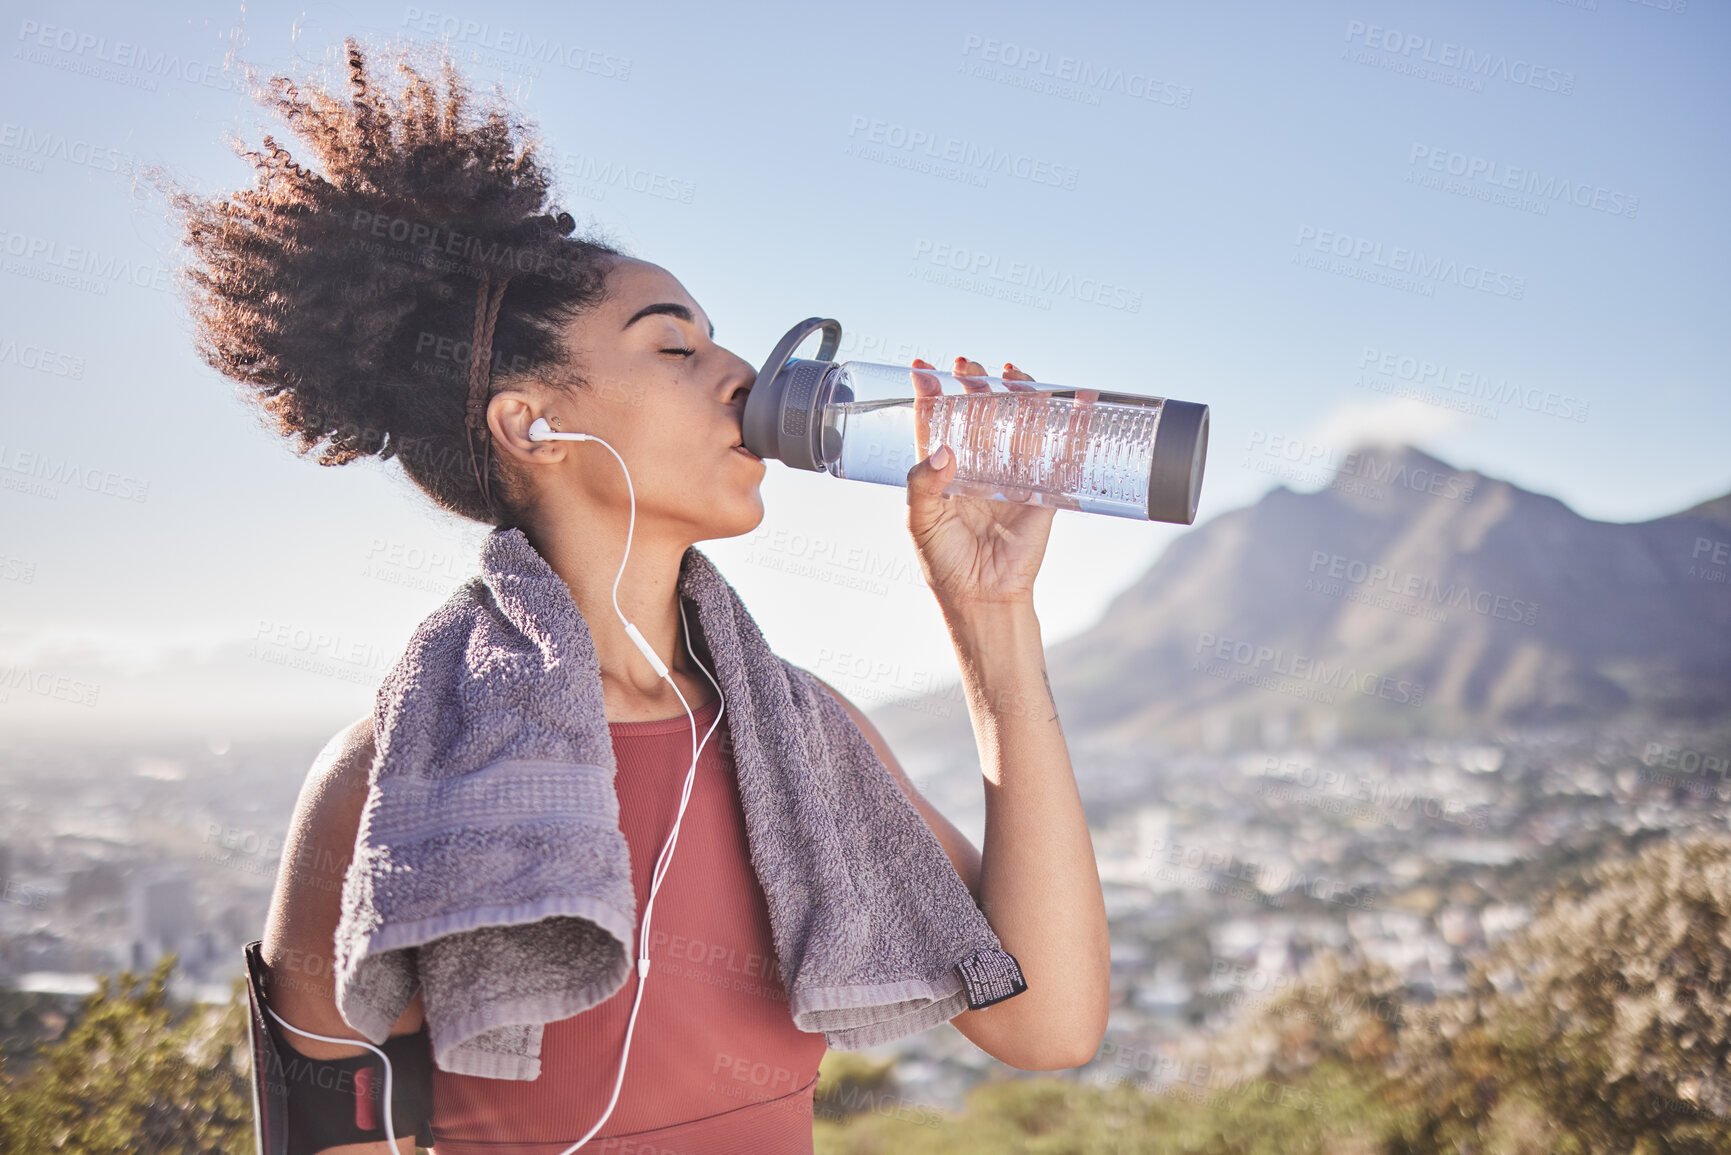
(1496, 230)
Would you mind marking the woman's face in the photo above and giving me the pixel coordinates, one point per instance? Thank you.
(670, 402)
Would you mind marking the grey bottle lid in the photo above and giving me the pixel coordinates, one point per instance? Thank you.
(1175, 471)
(781, 419)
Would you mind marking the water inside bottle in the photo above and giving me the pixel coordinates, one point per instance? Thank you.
(1034, 447)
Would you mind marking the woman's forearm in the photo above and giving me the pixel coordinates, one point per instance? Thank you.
(1039, 885)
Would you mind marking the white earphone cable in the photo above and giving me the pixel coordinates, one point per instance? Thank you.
(664, 860)
(539, 431)
(390, 1132)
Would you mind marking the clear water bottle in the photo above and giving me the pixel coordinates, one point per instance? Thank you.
(1021, 441)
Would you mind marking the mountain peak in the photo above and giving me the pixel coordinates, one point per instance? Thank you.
(1395, 454)
(1716, 510)
(1405, 596)
(1372, 472)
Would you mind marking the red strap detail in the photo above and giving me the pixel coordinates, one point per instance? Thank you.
(366, 1108)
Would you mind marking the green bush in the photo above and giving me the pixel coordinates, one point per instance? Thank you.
(136, 1074)
(1601, 1028)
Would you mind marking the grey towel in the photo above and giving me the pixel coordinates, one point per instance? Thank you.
(490, 869)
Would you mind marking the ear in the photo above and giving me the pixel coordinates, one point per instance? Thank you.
(509, 415)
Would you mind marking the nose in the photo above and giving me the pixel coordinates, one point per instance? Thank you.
(740, 379)
(737, 386)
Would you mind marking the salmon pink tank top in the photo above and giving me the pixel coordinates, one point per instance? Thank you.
(716, 1065)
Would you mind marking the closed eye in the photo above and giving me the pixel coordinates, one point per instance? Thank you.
(681, 352)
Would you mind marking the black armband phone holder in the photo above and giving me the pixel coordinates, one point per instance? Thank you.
(303, 1105)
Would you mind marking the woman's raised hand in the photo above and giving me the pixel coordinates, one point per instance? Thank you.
(973, 550)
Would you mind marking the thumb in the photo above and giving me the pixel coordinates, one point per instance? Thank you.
(926, 481)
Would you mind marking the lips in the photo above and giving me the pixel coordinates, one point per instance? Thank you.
(740, 446)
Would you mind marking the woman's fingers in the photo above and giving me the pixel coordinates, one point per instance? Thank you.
(925, 384)
(1014, 378)
(972, 376)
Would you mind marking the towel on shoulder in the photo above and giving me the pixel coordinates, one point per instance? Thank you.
(490, 870)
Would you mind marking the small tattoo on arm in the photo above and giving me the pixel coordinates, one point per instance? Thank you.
(1051, 697)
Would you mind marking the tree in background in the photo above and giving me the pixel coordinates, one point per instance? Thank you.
(1605, 1025)
(135, 1074)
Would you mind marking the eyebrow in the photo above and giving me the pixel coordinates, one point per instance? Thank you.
(672, 307)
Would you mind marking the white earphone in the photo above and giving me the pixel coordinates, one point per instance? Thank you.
(541, 431)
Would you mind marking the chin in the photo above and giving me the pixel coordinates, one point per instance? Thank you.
(734, 518)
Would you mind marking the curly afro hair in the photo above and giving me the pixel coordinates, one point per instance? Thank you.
(343, 300)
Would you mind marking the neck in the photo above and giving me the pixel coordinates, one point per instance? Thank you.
(584, 548)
